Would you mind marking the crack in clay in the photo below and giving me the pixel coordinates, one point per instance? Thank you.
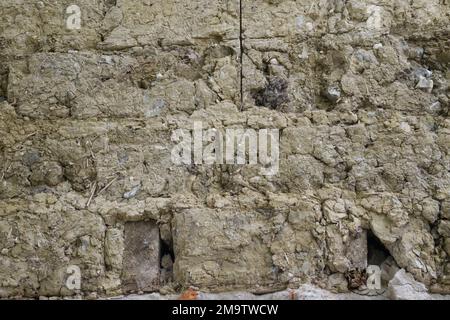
(241, 55)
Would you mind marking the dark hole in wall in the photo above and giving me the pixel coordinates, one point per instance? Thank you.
(167, 249)
(376, 251)
(4, 75)
(377, 255)
(166, 260)
(273, 95)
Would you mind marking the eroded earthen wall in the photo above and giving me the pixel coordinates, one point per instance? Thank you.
(358, 90)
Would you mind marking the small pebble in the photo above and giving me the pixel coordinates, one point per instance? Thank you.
(377, 46)
(425, 84)
(132, 193)
(333, 94)
(273, 61)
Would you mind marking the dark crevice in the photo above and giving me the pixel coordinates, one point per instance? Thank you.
(241, 55)
(166, 249)
(273, 95)
(166, 260)
(376, 251)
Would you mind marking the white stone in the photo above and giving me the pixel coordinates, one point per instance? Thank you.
(377, 46)
(404, 287)
(425, 84)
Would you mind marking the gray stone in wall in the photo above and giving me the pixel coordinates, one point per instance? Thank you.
(141, 257)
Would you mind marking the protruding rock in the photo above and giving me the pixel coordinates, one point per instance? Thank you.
(425, 84)
(404, 287)
(274, 61)
(444, 228)
(132, 193)
(333, 94)
(422, 72)
(377, 46)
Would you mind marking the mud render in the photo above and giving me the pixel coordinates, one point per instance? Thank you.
(358, 91)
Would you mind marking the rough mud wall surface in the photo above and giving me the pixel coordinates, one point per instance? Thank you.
(358, 90)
